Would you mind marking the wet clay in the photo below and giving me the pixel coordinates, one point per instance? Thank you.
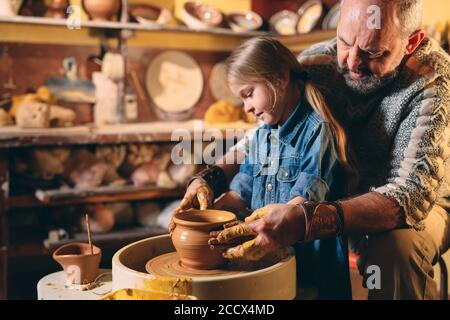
(191, 234)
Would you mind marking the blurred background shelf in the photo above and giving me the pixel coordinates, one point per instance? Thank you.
(110, 240)
(13, 136)
(55, 31)
(62, 197)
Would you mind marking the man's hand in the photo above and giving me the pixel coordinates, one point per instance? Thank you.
(198, 195)
(275, 226)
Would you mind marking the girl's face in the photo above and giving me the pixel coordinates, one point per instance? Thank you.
(258, 99)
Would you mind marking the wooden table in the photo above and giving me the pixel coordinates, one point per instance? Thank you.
(53, 287)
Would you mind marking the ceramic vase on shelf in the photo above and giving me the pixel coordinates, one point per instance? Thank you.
(101, 10)
(57, 8)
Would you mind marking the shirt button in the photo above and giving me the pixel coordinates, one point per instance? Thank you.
(273, 139)
(271, 162)
(286, 174)
(269, 187)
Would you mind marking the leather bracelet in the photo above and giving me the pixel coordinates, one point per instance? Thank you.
(322, 224)
(214, 177)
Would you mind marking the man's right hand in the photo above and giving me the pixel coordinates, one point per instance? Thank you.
(198, 196)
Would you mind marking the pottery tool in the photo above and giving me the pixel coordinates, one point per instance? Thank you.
(88, 227)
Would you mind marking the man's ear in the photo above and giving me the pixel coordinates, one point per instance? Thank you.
(414, 41)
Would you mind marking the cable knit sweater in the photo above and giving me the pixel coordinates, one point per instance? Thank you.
(401, 133)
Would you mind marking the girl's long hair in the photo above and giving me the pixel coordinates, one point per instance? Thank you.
(266, 59)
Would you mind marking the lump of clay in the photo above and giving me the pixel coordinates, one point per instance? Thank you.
(5, 118)
(149, 173)
(138, 154)
(61, 117)
(46, 163)
(33, 115)
(101, 219)
(223, 112)
(114, 157)
(43, 95)
(146, 174)
(84, 170)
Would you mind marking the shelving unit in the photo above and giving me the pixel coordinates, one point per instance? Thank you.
(50, 31)
(55, 31)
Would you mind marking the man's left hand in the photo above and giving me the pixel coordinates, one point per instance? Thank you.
(274, 226)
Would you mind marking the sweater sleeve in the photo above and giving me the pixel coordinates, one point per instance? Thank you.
(421, 155)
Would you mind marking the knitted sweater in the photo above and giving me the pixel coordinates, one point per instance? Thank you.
(400, 134)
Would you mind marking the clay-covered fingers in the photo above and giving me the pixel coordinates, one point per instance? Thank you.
(204, 197)
(257, 214)
(250, 251)
(229, 234)
(185, 204)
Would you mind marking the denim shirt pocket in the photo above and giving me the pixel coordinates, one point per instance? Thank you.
(287, 176)
(258, 186)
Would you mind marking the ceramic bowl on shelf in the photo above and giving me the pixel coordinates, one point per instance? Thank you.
(309, 15)
(331, 20)
(147, 14)
(200, 16)
(101, 10)
(284, 22)
(242, 21)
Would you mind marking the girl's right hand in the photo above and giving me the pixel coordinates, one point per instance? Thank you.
(198, 196)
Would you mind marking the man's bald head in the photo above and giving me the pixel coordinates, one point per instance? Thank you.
(374, 37)
(408, 12)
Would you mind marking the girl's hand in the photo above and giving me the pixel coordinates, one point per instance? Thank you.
(275, 226)
(231, 201)
(198, 195)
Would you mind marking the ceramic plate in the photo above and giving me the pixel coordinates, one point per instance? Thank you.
(174, 81)
(244, 21)
(219, 86)
(284, 22)
(310, 14)
(331, 20)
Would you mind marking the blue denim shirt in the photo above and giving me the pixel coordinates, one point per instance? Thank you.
(298, 159)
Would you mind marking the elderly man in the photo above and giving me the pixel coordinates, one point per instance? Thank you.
(391, 87)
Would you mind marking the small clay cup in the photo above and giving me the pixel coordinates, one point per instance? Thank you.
(80, 266)
(191, 234)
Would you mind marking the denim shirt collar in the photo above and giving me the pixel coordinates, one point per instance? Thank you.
(290, 128)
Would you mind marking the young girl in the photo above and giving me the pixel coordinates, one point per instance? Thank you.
(300, 153)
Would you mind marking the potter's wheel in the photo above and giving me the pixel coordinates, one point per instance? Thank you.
(157, 254)
(169, 265)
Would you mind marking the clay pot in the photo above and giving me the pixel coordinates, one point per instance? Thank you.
(57, 9)
(101, 10)
(80, 266)
(191, 235)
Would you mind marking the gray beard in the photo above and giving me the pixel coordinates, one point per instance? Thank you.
(369, 84)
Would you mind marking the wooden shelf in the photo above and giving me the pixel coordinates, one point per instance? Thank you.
(55, 31)
(125, 26)
(14, 137)
(96, 195)
(111, 240)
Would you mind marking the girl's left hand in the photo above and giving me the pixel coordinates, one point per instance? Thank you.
(274, 226)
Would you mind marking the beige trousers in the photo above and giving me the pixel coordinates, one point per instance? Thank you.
(405, 258)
